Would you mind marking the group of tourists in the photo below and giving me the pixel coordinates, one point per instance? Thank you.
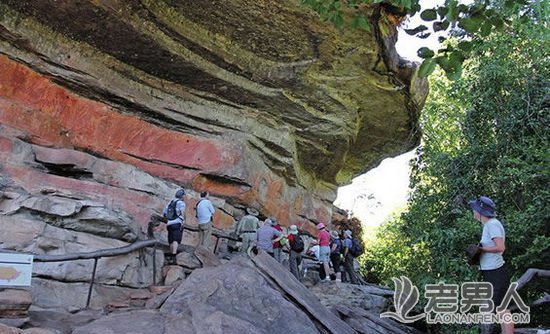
(329, 249)
(335, 251)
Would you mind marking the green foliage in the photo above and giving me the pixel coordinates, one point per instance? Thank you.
(484, 134)
(472, 22)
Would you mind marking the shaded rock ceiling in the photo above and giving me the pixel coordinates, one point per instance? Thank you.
(259, 102)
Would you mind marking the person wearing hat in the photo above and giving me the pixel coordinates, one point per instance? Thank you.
(348, 258)
(246, 229)
(491, 261)
(267, 235)
(295, 255)
(175, 226)
(323, 240)
(335, 253)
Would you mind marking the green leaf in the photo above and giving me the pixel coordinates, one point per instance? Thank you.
(442, 61)
(465, 46)
(338, 20)
(442, 11)
(453, 65)
(428, 15)
(425, 52)
(486, 28)
(456, 57)
(424, 35)
(406, 4)
(455, 73)
(497, 22)
(441, 25)
(452, 10)
(354, 21)
(462, 8)
(427, 67)
(416, 30)
(415, 8)
(490, 13)
(510, 4)
(470, 24)
(363, 23)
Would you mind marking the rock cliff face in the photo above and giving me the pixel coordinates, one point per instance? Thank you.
(107, 106)
(116, 101)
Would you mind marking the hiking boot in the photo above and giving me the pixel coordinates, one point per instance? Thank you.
(171, 259)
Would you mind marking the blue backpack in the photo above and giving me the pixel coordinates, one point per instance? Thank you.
(171, 213)
(356, 249)
(338, 244)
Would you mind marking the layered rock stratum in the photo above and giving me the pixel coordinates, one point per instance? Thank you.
(107, 106)
(259, 102)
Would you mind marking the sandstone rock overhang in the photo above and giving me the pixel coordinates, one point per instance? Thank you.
(259, 102)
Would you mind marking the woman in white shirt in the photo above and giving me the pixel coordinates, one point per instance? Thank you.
(491, 262)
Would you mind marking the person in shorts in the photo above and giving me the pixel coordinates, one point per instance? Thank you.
(175, 226)
(323, 240)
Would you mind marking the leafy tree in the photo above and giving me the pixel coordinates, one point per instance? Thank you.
(484, 134)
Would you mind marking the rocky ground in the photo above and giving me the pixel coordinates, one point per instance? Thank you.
(205, 294)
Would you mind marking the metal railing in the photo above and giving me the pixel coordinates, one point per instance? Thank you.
(138, 245)
(110, 252)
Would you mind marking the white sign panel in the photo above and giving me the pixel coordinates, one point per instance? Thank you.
(15, 269)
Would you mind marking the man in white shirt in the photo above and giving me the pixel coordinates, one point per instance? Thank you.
(205, 212)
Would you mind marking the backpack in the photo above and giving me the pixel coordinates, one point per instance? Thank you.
(338, 244)
(298, 244)
(356, 249)
(171, 213)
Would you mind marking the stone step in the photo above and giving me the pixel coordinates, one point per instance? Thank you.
(150, 298)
